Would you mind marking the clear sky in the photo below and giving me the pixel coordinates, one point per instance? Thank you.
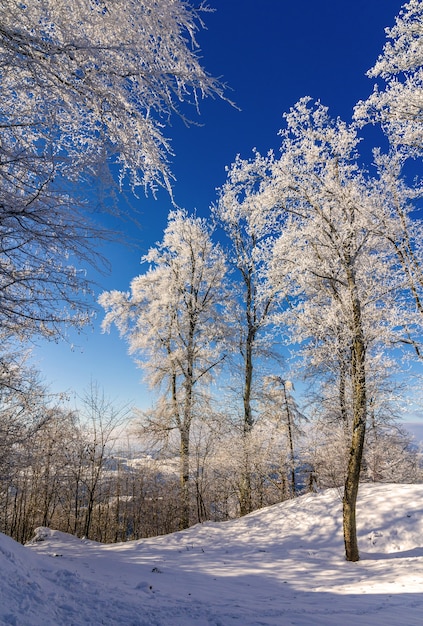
(270, 53)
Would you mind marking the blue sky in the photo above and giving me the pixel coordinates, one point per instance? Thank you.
(270, 53)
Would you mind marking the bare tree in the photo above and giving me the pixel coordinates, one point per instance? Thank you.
(101, 423)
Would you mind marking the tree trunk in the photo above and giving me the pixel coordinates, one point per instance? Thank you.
(248, 379)
(245, 489)
(350, 494)
(245, 499)
(342, 392)
(358, 433)
(184, 480)
(291, 442)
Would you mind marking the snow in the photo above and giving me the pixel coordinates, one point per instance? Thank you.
(281, 566)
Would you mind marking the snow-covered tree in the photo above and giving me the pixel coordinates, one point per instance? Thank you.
(341, 241)
(250, 232)
(172, 319)
(92, 79)
(344, 257)
(279, 407)
(251, 236)
(398, 105)
(85, 85)
(328, 437)
(26, 409)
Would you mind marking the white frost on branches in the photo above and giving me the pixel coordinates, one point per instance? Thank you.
(173, 320)
(399, 105)
(172, 316)
(90, 79)
(349, 258)
(251, 232)
(84, 85)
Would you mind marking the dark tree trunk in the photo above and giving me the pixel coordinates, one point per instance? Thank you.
(248, 381)
(291, 442)
(245, 488)
(358, 433)
(184, 480)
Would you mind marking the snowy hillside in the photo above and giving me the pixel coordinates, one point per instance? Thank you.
(280, 566)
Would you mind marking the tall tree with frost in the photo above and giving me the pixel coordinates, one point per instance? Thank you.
(347, 281)
(338, 259)
(85, 85)
(250, 233)
(172, 320)
(399, 105)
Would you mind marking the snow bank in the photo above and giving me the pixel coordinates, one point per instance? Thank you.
(278, 566)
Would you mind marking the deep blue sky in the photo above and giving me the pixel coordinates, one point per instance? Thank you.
(270, 53)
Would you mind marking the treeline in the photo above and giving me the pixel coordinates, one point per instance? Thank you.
(80, 472)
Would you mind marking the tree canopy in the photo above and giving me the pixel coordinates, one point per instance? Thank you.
(398, 104)
(85, 85)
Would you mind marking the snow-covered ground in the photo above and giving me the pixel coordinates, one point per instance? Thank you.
(281, 566)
